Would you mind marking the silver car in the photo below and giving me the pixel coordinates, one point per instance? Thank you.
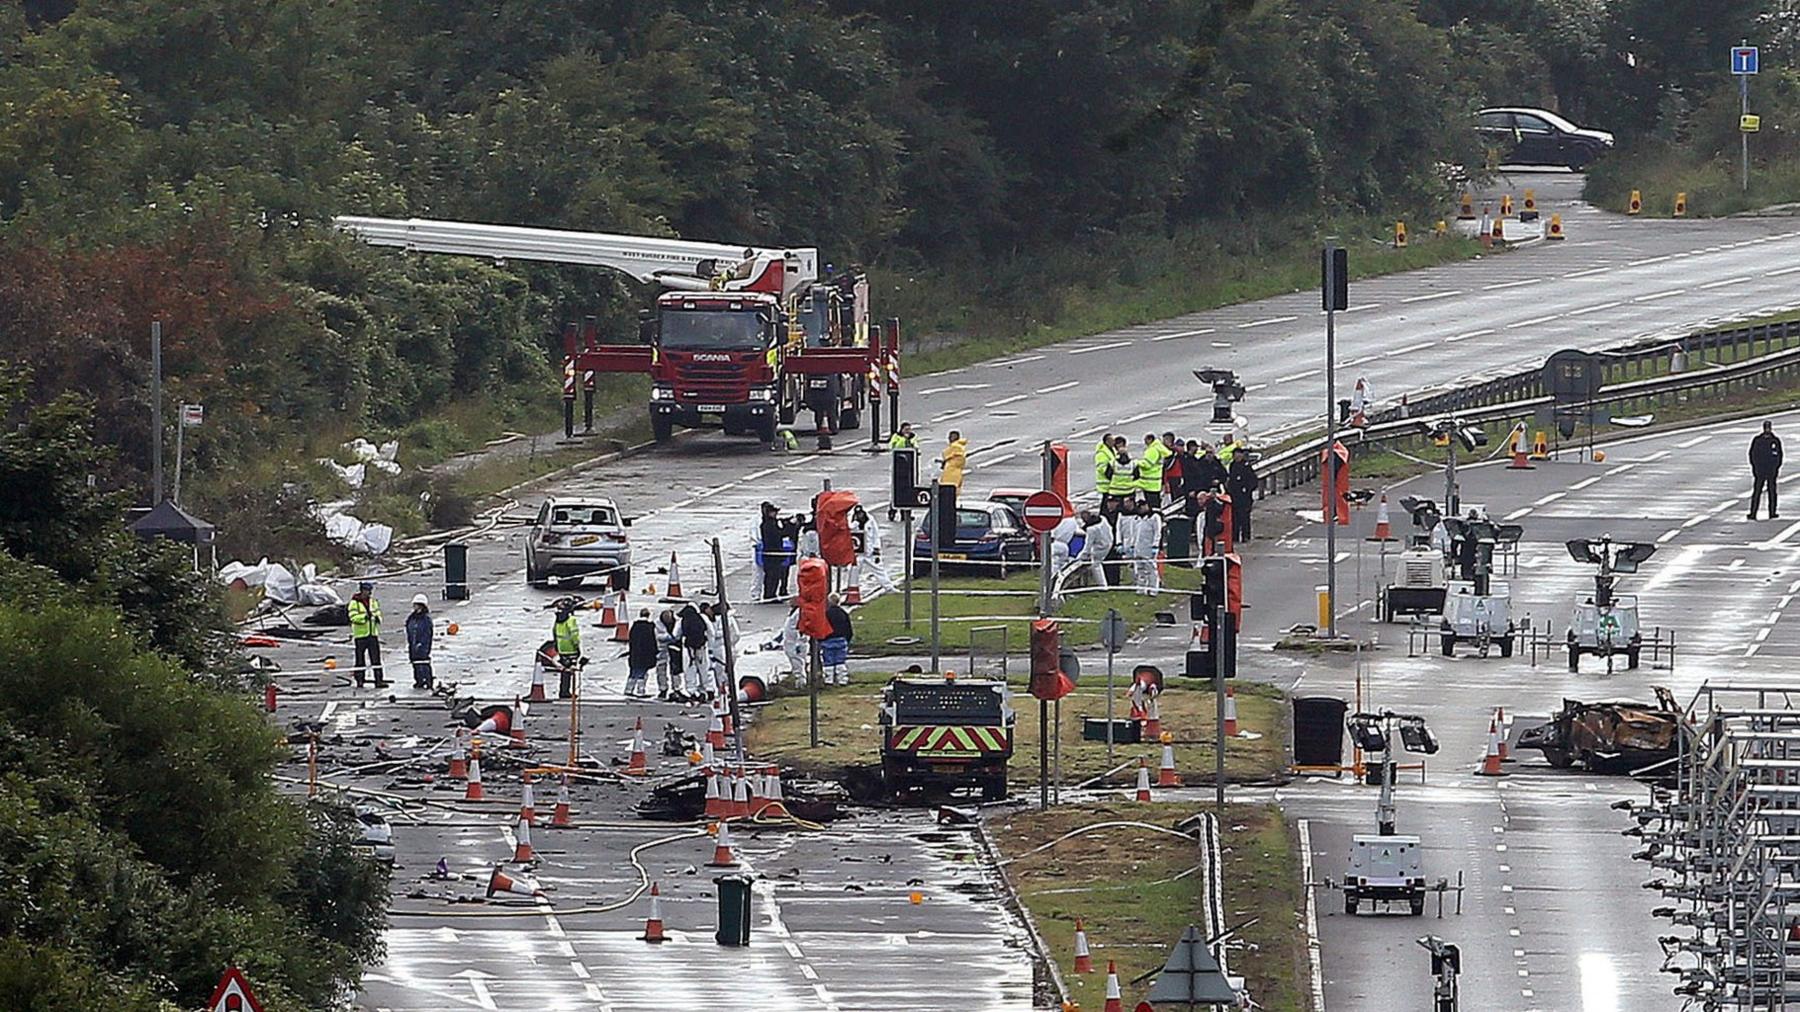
(573, 539)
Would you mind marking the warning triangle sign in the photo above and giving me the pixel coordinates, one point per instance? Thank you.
(233, 993)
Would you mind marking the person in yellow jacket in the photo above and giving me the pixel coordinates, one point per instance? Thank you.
(365, 633)
(1103, 461)
(1121, 483)
(567, 634)
(1149, 471)
(956, 461)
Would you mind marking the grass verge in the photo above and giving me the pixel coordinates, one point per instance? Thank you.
(881, 629)
(1123, 885)
(850, 735)
(1713, 183)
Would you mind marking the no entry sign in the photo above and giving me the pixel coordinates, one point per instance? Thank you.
(1044, 510)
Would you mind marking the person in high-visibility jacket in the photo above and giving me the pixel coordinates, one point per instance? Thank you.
(1103, 460)
(568, 645)
(365, 633)
(1148, 475)
(1122, 483)
(956, 460)
(1227, 449)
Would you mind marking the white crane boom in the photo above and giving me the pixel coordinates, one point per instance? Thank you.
(672, 263)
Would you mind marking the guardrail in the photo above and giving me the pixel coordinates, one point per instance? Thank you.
(1521, 395)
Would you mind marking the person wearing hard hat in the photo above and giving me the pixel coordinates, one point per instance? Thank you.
(418, 642)
(567, 633)
(365, 633)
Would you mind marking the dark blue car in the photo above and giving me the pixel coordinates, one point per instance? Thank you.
(989, 539)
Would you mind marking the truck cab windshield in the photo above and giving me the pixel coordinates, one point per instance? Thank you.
(711, 329)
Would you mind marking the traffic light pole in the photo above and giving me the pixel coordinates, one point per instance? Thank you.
(936, 642)
(1046, 578)
(1328, 475)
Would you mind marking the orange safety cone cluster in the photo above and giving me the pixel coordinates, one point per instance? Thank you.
(1143, 783)
(1490, 763)
(609, 611)
(716, 805)
(715, 731)
(722, 855)
(1084, 962)
(1165, 774)
(639, 763)
(653, 925)
(1231, 720)
(723, 709)
(1384, 528)
(560, 815)
(1115, 1002)
(1153, 716)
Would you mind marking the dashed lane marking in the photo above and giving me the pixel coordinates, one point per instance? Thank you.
(1060, 386)
(1534, 321)
(1725, 282)
(1296, 376)
(1589, 272)
(1596, 309)
(1430, 297)
(1653, 296)
(1100, 347)
(1511, 284)
(1270, 320)
(1472, 333)
(1779, 273)
(1184, 333)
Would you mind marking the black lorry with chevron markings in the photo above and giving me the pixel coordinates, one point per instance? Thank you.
(944, 734)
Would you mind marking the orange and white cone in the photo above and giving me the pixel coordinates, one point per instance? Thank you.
(716, 806)
(473, 791)
(853, 593)
(1115, 1002)
(1384, 530)
(459, 757)
(502, 881)
(1490, 763)
(1143, 784)
(715, 732)
(560, 815)
(1500, 717)
(1153, 717)
(1231, 721)
(759, 793)
(1521, 459)
(518, 721)
(722, 855)
(674, 577)
(775, 799)
(1084, 961)
(740, 796)
(653, 925)
(639, 764)
(609, 611)
(527, 801)
(622, 623)
(537, 693)
(1165, 774)
(522, 852)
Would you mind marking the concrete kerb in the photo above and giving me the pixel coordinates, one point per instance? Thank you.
(1040, 951)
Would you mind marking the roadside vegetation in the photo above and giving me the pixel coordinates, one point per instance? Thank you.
(1135, 890)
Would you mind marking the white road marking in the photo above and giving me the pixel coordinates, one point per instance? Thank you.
(1296, 376)
(1472, 333)
(1312, 918)
(1585, 482)
(1696, 441)
(1648, 260)
(1552, 497)
(1264, 323)
(1786, 533)
(1589, 272)
(1100, 347)
(1516, 514)
(1060, 386)
(1014, 399)
(1358, 309)
(1184, 333)
(1422, 345)
(1534, 321)
(1013, 361)
(1139, 417)
(1727, 281)
(1512, 284)
(1652, 297)
(1595, 309)
(1779, 273)
(1431, 297)
(1667, 536)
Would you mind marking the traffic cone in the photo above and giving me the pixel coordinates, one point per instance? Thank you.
(1465, 210)
(853, 593)
(1521, 460)
(1399, 235)
(1681, 205)
(1531, 208)
(559, 816)
(527, 801)
(653, 926)
(1143, 784)
(1165, 774)
(502, 882)
(1114, 1002)
(674, 577)
(518, 721)
(639, 764)
(716, 806)
(1484, 232)
(1500, 716)
(537, 694)
(1499, 229)
(723, 709)
(1490, 763)
(1153, 717)
(774, 789)
(759, 793)
(1506, 205)
(622, 631)
(522, 852)
(1384, 530)
(1231, 722)
(1556, 229)
(1636, 205)
(459, 757)
(473, 791)
(715, 732)
(609, 612)
(722, 856)
(1084, 962)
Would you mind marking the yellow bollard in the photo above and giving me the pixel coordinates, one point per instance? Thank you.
(1399, 235)
(1680, 205)
(1324, 609)
(1540, 445)
(1637, 203)
(1556, 231)
(1466, 210)
(1506, 205)
(1531, 201)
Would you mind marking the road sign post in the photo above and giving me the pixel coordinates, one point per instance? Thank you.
(1334, 285)
(1112, 636)
(1745, 59)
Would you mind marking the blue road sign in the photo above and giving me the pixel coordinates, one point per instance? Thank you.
(1743, 59)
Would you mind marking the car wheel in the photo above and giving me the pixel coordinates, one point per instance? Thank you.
(534, 579)
(1417, 906)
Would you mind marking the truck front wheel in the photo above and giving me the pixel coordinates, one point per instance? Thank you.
(1417, 906)
(662, 427)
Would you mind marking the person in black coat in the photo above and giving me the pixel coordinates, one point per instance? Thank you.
(640, 656)
(770, 535)
(1240, 484)
(1765, 467)
(693, 638)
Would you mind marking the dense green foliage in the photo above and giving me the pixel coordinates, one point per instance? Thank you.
(145, 844)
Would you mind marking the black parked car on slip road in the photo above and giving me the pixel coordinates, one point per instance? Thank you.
(1525, 136)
